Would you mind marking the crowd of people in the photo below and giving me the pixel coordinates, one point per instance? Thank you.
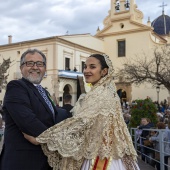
(163, 111)
(149, 140)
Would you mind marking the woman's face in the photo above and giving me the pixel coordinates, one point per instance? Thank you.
(144, 121)
(92, 70)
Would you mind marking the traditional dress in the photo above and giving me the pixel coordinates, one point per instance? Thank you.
(96, 137)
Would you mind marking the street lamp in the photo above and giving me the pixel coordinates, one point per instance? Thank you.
(158, 90)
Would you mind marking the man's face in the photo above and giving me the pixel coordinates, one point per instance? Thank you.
(35, 73)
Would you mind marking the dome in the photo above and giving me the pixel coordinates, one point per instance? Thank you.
(161, 25)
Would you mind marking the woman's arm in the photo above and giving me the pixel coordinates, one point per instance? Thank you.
(31, 139)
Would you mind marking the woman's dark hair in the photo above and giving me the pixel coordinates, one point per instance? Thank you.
(101, 59)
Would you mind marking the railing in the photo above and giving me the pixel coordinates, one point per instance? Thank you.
(139, 146)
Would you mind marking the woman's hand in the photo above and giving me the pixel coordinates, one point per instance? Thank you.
(31, 139)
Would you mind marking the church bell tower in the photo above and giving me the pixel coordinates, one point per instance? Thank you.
(125, 9)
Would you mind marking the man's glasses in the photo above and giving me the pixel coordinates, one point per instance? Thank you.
(32, 63)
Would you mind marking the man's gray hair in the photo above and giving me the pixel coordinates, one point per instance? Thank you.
(32, 51)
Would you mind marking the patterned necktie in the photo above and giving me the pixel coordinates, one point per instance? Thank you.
(43, 94)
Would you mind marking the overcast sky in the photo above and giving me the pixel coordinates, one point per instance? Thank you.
(32, 19)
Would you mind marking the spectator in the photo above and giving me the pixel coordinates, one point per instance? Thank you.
(146, 124)
(159, 116)
(150, 152)
(126, 117)
(67, 104)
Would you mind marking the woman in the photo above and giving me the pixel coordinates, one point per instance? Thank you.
(96, 137)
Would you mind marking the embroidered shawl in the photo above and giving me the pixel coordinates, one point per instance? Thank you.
(97, 128)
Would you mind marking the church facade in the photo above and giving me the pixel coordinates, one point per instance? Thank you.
(123, 36)
(126, 37)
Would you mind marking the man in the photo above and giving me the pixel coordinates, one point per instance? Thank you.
(67, 104)
(27, 109)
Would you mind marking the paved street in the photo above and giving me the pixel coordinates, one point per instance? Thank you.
(144, 166)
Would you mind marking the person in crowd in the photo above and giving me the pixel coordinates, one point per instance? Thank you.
(162, 108)
(167, 113)
(151, 152)
(67, 104)
(145, 124)
(27, 109)
(127, 117)
(138, 133)
(155, 140)
(160, 117)
(96, 137)
(166, 120)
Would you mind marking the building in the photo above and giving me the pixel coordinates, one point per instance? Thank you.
(64, 62)
(123, 36)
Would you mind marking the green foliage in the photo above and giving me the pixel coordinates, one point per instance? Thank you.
(143, 109)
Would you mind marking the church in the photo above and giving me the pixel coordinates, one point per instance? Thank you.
(124, 36)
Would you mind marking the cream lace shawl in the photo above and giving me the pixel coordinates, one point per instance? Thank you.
(97, 128)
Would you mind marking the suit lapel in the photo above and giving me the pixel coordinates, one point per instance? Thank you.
(39, 96)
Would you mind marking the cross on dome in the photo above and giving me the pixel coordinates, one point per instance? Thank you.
(163, 5)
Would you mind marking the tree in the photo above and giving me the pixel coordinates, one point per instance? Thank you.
(143, 109)
(154, 69)
(3, 73)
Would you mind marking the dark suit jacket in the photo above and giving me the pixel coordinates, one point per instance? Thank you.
(25, 111)
(68, 107)
(62, 114)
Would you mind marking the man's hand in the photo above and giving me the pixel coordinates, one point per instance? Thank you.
(31, 139)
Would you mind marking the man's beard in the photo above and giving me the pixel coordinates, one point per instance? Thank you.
(34, 80)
